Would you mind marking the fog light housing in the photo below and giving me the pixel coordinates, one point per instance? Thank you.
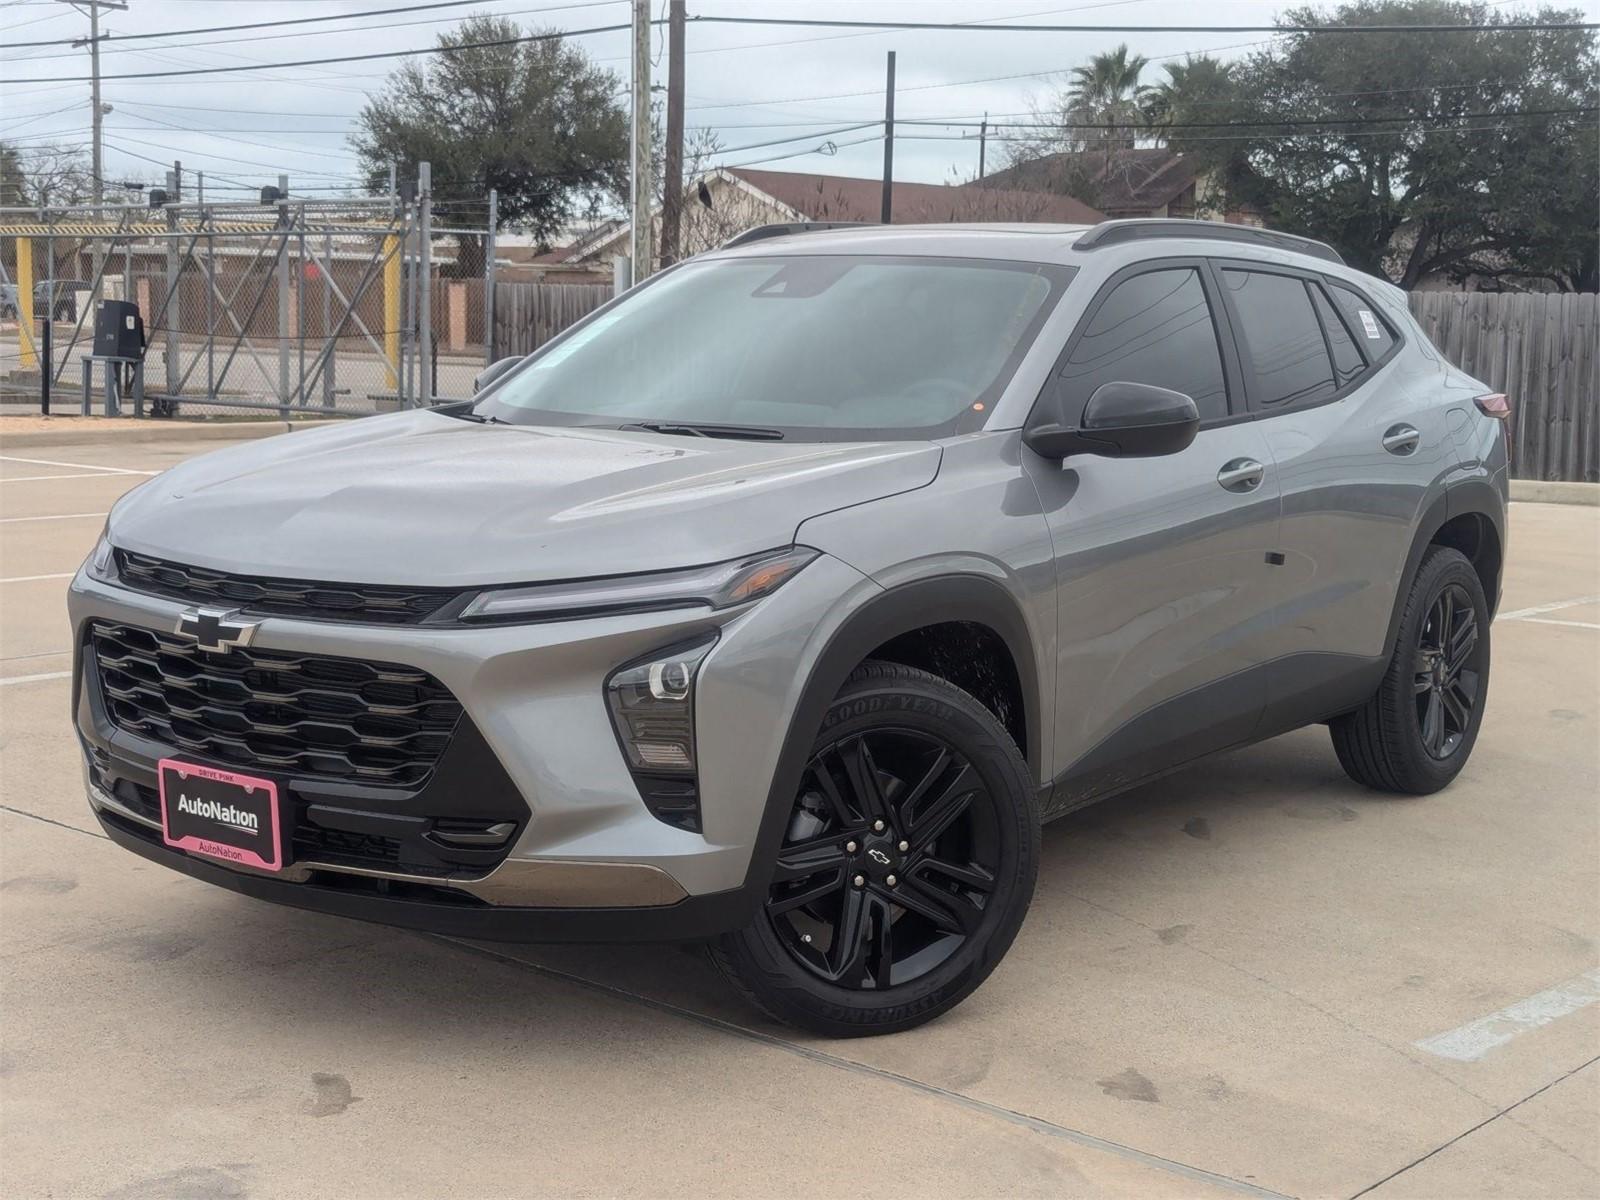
(652, 707)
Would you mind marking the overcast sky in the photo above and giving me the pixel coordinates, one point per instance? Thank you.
(750, 84)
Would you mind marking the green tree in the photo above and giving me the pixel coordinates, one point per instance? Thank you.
(1429, 189)
(535, 120)
(13, 183)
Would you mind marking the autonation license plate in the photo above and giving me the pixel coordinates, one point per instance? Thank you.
(221, 815)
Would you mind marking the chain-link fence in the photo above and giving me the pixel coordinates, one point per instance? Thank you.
(292, 308)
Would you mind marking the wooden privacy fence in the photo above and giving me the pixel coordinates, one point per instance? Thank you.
(527, 315)
(1540, 350)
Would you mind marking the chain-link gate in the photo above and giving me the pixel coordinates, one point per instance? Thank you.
(295, 308)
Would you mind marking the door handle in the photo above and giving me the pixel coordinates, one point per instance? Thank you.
(1401, 439)
(1241, 475)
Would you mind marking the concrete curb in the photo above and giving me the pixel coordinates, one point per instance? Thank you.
(100, 431)
(1540, 491)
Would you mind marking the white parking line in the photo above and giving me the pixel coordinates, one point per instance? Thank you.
(52, 517)
(1473, 1040)
(35, 678)
(1540, 609)
(95, 467)
(73, 475)
(1568, 624)
(36, 578)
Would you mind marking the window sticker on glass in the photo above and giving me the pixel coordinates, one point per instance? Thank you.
(1370, 324)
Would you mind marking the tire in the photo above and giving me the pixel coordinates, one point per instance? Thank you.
(1417, 731)
(850, 946)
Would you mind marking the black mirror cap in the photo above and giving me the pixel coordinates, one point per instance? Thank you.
(494, 371)
(1123, 420)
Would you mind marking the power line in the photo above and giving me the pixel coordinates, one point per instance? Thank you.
(1136, 127)
(826, 23)
(346, 16)
(344, 58)
(303, 33)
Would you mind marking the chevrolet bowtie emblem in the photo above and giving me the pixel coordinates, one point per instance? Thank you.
(216, 629)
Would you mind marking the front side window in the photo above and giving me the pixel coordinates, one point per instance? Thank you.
(1282, 338)
(815, 347)
(1155, 328)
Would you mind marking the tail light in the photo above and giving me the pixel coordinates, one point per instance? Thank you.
(1495, 405)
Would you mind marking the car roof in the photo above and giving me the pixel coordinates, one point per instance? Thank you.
(1123, 241)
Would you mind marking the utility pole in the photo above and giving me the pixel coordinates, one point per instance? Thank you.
(283, 297)
(672, 185)
(888, 144)
(641, 189)
(97, 111)
(425, 286)
(983, 143)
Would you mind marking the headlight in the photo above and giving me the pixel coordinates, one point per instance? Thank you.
(652, 706)
(101, 564)
(720, 585)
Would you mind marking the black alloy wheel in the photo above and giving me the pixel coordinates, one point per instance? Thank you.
(889, 860)
(906, 863)
(1417, 730)
(1445, 683)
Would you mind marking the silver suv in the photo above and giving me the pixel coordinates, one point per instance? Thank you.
(777, 603)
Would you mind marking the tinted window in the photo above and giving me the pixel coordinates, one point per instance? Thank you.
(816, 346)
(1282, 338)
(1347, 360)
(1364, 320)
(1155, 328)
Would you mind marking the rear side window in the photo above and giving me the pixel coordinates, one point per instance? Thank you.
(1347, 360)
(1374, 334)
(1154, 328)
(1282, 339)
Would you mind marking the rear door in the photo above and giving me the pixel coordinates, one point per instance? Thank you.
(1355, 445)
(1161, 564)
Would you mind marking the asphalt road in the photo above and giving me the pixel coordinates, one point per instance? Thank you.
(1251, 977)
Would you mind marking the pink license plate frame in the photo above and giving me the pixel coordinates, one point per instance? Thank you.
(255, 790)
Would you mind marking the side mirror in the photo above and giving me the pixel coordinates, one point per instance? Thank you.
(1122, 420)
(494, 371)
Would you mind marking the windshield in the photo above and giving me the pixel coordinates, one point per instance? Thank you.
(811, 348)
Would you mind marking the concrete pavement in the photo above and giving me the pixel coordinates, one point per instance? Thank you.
(1221, 988)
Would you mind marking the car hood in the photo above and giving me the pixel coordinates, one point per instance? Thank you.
(424, 499)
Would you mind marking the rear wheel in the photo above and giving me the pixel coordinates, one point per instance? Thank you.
(906, 867)
(1418, 730)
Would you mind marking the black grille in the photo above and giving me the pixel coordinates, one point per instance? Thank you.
(375, 603)
(337, 718)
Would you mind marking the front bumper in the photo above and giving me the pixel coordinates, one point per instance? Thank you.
(589, 862)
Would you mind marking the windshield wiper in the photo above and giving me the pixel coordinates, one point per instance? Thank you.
(747, 433)
(477, 418)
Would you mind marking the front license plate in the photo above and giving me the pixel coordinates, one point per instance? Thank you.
(220, 814)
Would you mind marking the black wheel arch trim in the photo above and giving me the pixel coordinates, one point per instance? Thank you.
(897, 610)
(1477, 497)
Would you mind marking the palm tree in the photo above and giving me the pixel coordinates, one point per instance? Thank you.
(1197, 89)
(1108, 92)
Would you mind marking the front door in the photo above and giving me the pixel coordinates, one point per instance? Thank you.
(1163, 564)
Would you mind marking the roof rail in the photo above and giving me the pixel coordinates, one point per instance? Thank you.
(785, 228)
(1115, 233)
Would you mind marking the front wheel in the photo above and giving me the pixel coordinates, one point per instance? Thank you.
(1416, 733)
(906, 867)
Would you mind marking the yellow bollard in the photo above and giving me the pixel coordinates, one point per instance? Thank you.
(30, 356)
(391, 309)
